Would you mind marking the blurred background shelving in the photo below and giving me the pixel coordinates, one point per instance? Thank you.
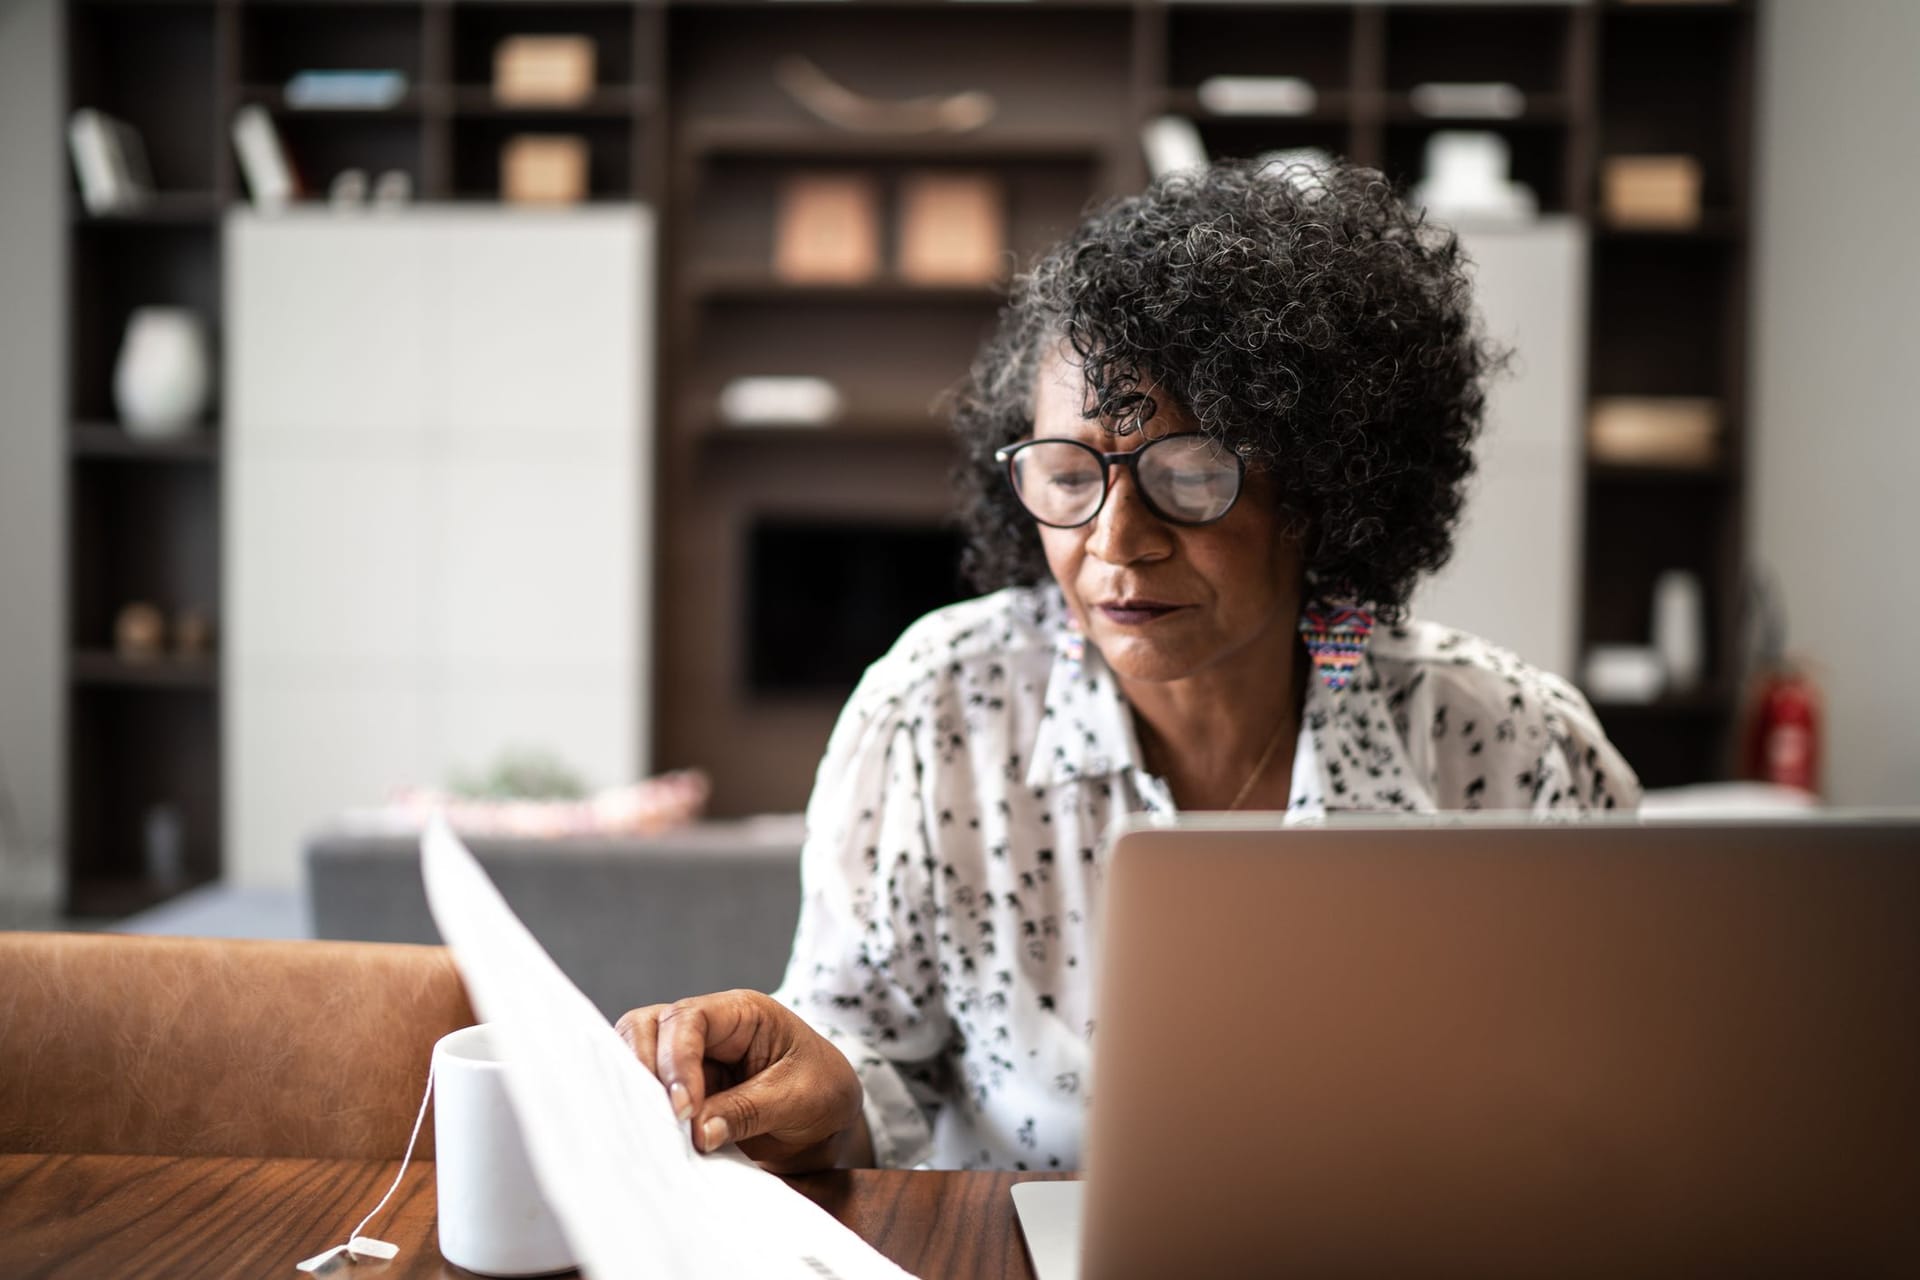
(687, 115)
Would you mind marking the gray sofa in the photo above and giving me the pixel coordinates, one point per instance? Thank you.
(631, 921)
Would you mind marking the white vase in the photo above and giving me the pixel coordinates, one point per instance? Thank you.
(1679, 626)
(163, 378)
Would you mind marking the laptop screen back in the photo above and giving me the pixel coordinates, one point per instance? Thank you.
(1504, 1050)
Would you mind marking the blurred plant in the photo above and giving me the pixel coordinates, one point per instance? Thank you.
(522, 773)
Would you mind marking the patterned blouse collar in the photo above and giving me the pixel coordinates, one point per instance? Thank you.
(1087, 731)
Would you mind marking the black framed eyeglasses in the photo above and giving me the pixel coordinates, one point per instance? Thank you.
(1187, 478)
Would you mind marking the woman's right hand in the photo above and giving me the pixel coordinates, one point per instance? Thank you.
(745, 1068)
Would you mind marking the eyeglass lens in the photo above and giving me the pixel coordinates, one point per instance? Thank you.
(1185, 478)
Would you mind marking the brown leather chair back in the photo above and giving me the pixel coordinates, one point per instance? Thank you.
(195, 1046)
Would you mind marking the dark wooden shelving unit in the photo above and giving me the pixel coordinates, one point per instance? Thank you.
(142, 522)
(1669, 316)
(144, 737)
(688, 116)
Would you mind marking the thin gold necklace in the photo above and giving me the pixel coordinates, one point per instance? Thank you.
(1266, 757)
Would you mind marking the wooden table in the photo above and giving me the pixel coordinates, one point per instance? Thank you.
(162, 1216)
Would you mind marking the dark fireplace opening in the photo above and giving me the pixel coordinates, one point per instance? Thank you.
(825, 599)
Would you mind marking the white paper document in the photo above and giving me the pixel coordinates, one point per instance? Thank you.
(632, 1195)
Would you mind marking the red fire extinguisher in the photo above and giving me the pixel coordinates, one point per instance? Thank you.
(1783, 729)
(1782, 740)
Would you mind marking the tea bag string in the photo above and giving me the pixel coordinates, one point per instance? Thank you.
(357, 1245)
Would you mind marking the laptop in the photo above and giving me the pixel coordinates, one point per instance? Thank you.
(1501, 1049)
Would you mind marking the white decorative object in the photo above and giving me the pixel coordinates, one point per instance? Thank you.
(109, 161)
(1625, 673)
(163, 378)
(393, 189)
(1467, 177)
(771, 401)
(1678, 623)
(263, 160)
(1171, 144)
(1257, 95)
(348, 190)
(165, 847)
(1494, 100)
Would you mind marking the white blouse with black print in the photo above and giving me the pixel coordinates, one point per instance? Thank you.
(959, 823)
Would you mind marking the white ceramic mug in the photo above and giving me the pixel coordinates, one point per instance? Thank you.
(493, 1219)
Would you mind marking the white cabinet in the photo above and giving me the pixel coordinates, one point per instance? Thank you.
(437, 538)
(1515, 573)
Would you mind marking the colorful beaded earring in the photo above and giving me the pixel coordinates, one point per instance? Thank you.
(1074, 644)
(1336, 637)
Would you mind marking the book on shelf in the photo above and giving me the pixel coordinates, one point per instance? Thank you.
(272, 181)
(109, 161)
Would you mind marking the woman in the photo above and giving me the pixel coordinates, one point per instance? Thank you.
(1219, 435)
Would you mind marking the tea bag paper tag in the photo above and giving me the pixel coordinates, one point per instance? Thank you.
(357, 1245)
(320, 1259)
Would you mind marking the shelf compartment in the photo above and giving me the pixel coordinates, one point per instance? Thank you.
(477, 144)
(735, 204)
(1312, 42)
(1248, 137)
(1529, 47)
(1633, 535)
(880, 355)
(323, 143)
(277, 40)
(1675, 86)
(141, 533)
(1662, 324)
(117, 269)
(478, 30)
(1538, 155)
(133, 751)
(153, 67)
(1041, 67)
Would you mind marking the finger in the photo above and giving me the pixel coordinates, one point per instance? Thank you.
(680, 1054)
(741, 1113)
(785, 1103)
(639, 1028)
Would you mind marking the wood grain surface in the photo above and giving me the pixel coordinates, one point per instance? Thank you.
(89, 1216)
